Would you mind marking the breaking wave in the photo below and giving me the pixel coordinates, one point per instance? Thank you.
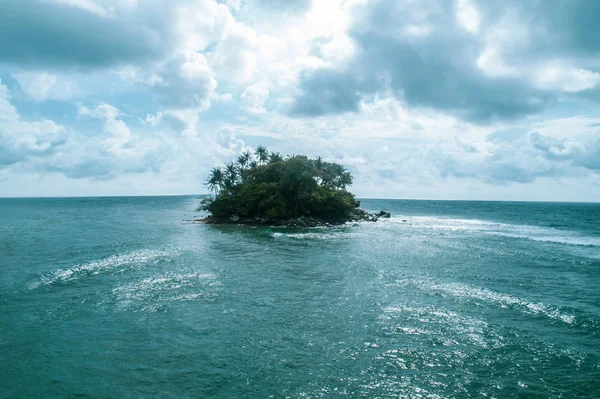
(106, 265)
(534, 233)
(458, 290)
(149, 293)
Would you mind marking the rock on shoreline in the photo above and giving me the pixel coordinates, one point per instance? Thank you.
(359, 215)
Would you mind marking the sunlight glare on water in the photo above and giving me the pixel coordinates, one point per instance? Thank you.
(126, 297)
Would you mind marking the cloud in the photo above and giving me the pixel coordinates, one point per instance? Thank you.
(187, 81)
(416, 98)
(522, 158)
(478, 61)
(45, 147)
(73, 33)
(235, 57)
(328, 91)
(254, 97)
(21, 140)
(286, 5)
(117, 151)
(41, 86)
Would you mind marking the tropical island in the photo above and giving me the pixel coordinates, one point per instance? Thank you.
(266, 188)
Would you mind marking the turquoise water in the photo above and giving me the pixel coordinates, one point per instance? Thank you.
(125, 298)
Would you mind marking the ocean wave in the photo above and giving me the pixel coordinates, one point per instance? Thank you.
(574, 240)
(313, 235)
(150, 293)
(495, 298)
(516, 231)
(450, 327)
(105, 265)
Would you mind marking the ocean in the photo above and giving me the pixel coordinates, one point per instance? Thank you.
(128, 298)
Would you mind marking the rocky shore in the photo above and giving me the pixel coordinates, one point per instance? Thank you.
(359, 215)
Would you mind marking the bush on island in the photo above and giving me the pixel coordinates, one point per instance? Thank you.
(267, 186)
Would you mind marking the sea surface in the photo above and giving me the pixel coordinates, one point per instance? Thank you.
(128, 298)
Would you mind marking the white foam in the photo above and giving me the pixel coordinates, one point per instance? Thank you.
(313, 235)
(496, 298)
(166, 288)
(516, 231)
(574, 240)
(141, 257)
(430, 321)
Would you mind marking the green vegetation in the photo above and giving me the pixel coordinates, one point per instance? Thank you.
(267, 186)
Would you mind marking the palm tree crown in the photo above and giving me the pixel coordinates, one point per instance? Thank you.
(262, 154)
(215, 180)
(275, 157)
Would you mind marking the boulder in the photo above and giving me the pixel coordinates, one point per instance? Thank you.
(234, 218)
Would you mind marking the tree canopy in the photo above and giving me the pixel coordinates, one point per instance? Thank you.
(266, 184)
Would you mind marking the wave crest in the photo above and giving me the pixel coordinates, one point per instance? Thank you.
(105, 265)
(516, 231)
(499, 299)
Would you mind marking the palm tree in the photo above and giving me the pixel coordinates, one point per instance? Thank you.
(231, 175)
(215, 180)
(241, 161)
(244, 159)
(248, 155)
(339, 174)
(319, 163)
(262, 154)
(346, 179)
(275, 157)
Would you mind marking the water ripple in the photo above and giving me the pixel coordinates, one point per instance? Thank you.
(106, 265)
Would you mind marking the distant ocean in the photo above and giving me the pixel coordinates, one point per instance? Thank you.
(127, 298)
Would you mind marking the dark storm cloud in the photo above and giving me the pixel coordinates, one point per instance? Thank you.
(437, 67)
(38, 33)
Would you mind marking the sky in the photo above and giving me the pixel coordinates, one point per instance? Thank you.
(432, 99)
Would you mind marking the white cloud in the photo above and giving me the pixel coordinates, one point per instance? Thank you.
(566, 79)
(222, 97)
(491, 62)
(467, 16)
(41, 86)
(88, 5)
(8, 112)
(21, 140)
(185, 80)
(235, 58)
(252, 62)
(119, 135)
(254, 97)
(36, 85)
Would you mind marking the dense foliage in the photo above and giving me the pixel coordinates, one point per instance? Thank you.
(265, 184)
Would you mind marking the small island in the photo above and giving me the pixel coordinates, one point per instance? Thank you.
(266, 188)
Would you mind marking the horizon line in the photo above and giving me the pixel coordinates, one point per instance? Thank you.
(358, 197)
